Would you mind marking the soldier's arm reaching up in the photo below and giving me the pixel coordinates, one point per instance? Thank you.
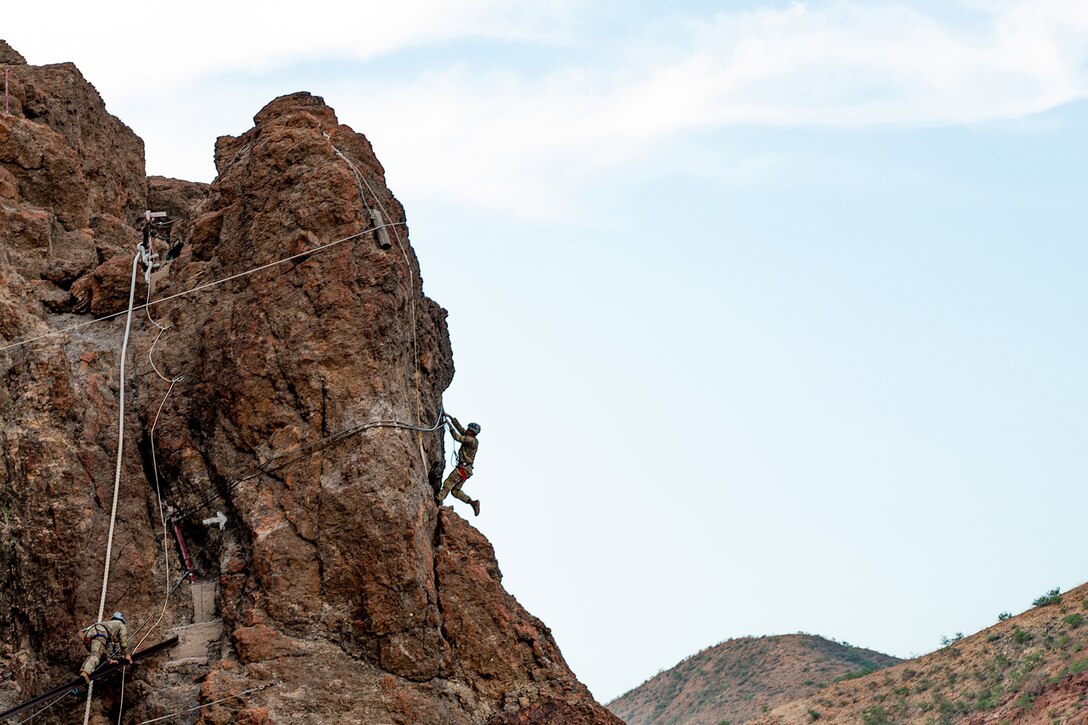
(455, 429)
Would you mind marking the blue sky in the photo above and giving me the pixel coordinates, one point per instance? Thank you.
(772, 313)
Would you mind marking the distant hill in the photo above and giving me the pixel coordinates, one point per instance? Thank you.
(741, 678)
(1024, 670)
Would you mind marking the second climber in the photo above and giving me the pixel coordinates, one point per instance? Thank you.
(466, 456)
(101, 639)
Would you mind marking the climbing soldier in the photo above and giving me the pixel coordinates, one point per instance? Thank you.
(101, 639)
(465, 457)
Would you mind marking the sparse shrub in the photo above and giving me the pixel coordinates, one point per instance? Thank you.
(876, 716)
(813, 715)
(1074, 620)
(1051, 597)
(1006, 615)
(1019, 636)
(987, 699)
(854, 675)
(1025, 701)
(1079, 666)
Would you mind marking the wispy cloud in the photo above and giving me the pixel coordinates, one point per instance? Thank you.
(129, 49)
(524, 137)
(523, 143)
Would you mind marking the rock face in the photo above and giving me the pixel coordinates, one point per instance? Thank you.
(343, 590)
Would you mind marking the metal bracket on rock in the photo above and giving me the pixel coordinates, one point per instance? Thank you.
(220, 520)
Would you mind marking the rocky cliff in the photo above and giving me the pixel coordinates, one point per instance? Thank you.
(337, 584)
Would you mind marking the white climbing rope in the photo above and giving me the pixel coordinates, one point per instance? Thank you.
(162, 517)
(117, 475)
(155, 464)
(121, 702)
(411, 308)
(295, 454)
(162, 329)
(411, 288)
(359, 178)
(198, 288)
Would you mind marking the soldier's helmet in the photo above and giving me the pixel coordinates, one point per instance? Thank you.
(119, 617)
(475, 428)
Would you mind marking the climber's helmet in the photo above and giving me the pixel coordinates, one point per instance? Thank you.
(119, 617)
(474, 428)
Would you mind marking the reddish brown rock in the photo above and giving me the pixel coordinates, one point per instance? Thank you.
(71, 179)
(178, 198)
(342, 585)
(507, 655)
(10, 56)
(555, 711)
(110, 156)
(260, 642)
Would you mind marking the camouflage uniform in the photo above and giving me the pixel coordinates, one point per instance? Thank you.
(103, 634)
(463, 471)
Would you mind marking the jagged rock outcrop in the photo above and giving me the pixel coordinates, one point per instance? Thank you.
(341, 585)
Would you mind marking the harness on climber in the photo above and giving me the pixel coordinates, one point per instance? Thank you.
(466, 457)
(101, 630)
(95, 631)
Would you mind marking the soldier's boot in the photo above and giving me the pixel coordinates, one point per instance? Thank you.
(476, 507)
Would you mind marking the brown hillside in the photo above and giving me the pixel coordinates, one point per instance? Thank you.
(737, 679)
(1026, 669)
